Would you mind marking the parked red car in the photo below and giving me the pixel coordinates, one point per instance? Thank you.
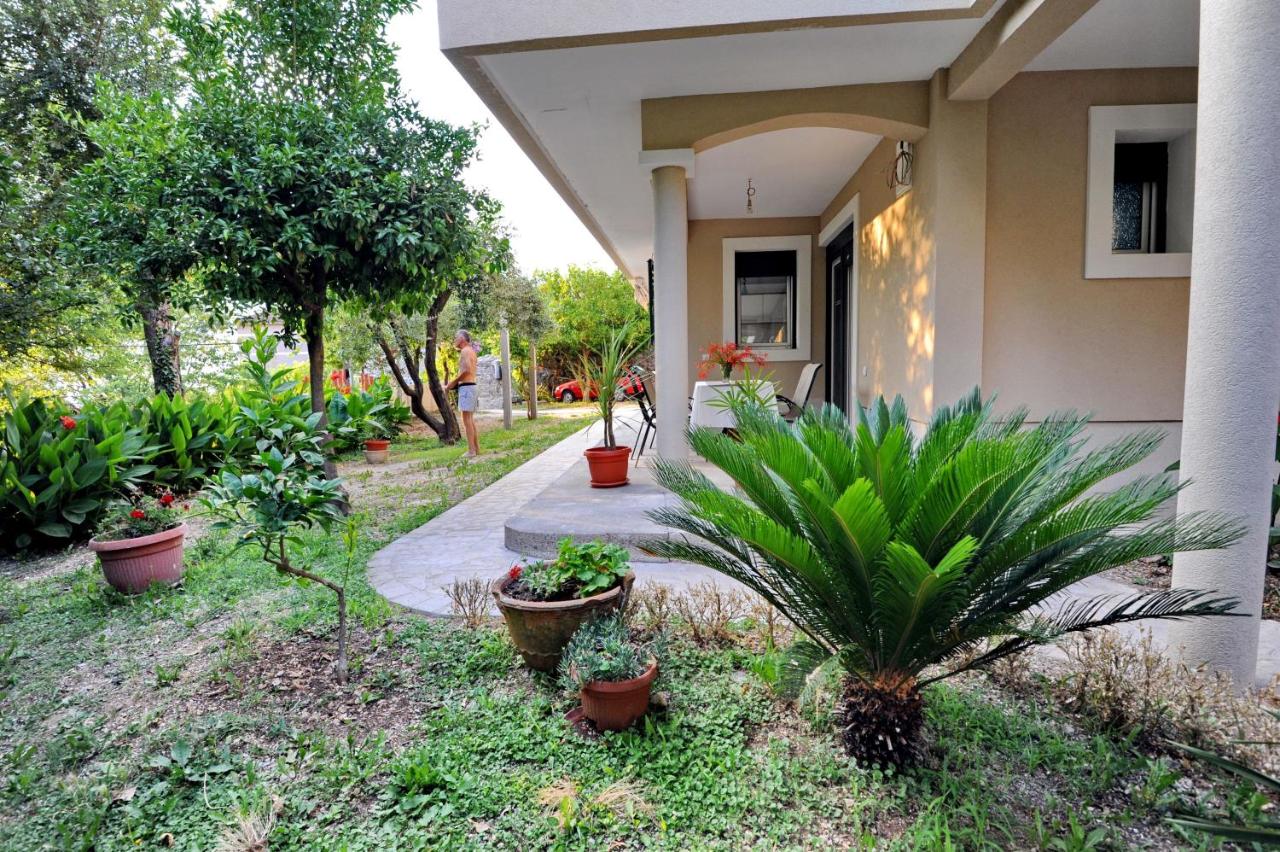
(630, 386)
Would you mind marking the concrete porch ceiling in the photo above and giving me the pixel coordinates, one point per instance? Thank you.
(576, 110)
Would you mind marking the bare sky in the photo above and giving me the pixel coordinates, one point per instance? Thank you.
(546, 234)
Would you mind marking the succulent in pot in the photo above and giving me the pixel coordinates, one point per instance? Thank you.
(544, 603)
(612, 673)
(141, 542)
(605, 369)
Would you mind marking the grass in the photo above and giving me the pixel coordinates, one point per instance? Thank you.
(202, 715)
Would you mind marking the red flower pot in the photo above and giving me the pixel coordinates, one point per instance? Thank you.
(132, 564)
(608, 466)
(376, 450)
(615, 705)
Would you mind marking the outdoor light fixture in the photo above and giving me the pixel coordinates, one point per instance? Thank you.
(900, 171)
(751, 194)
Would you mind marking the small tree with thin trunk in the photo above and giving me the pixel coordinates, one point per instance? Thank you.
(315, 180)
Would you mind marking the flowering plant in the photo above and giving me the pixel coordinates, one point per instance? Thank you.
(144, 516)
(727, 356)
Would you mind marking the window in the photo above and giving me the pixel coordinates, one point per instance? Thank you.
(765, 284)
(767, 294)
(1140, 191)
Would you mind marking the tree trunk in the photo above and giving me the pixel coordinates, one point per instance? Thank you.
(162, 347)
(403, 359)
(313, 334)
(533, 381)
(433, 371)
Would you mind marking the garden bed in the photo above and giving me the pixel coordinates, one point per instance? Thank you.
(183, 717)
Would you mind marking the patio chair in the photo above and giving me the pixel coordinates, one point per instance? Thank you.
(790, 408)
(648, 431)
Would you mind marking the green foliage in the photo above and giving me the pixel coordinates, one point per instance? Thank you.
(587, 306)
(1252, 829)
(59, 471)
(360, 414)
(193, 436)
(603, 650)
(604, 367)
(272, 412)
(893, 555)
(270, 504)
(581, 569)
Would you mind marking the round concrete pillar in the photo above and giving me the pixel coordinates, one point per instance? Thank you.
(1233, 346)
(671, 307)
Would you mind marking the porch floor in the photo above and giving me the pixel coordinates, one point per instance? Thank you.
(524, 515)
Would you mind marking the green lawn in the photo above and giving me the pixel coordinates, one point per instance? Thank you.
(186, 717)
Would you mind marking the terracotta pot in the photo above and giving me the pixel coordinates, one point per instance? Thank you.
(541, 629)
(132, 564)
(375, 450)
(608, 466)
(615, 705)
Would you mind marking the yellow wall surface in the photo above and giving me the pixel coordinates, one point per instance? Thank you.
(706, 290)
(1051, 338)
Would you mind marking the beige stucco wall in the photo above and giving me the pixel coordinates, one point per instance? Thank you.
(1053, 339)
(706, 289)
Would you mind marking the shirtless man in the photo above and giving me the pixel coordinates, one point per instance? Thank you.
(466, 385)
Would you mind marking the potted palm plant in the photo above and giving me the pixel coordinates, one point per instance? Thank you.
(544, 603)
(612, 674)
(141, 543)
(907, 561)
(602, 371)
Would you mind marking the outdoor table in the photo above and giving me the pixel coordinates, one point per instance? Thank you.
(708, 412)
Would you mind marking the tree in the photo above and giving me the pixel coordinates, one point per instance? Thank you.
(894, 555)
(128, 218)
(51, 54)
(587, 306)
(314, 180)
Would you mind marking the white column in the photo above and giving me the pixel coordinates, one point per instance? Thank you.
(1233, 347)
(504, 345)
(671, 307)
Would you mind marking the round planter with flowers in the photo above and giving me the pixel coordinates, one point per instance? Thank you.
(141, 543)
(545, 603)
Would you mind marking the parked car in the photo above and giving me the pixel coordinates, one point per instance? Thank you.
(629, 386)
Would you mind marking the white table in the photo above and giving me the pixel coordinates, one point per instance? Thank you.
(709, 412)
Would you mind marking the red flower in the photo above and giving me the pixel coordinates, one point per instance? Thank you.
(727, 356)
(166, 499)
(68, 423)
(137, 514)
(515, 572)
(186, 507)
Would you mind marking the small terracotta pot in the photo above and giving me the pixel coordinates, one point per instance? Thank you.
(541, 629)
(132, 564)
(615, 705)
(375, 450)
(608, 466)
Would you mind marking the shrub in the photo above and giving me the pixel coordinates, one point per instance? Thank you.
(190, 436)
(272, 412)
(58, 470)
(894, 555)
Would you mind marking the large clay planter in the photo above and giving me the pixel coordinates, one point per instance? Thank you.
(376, 450)
(541, 629)
(608, 466)
(131, 565)
(615, 705)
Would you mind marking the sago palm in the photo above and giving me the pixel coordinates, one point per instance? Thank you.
(908, 561)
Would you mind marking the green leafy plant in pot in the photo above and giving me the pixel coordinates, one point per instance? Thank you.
(367, 424)
(140, 542)
(904, 561)
(544, 603)
(612, 673)
(602, 371)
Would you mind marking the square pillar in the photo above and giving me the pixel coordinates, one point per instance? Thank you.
(671, 306)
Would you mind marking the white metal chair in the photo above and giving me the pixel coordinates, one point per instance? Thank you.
(790, 408)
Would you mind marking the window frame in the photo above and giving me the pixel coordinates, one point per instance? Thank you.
(801, 331)
(1154, 122)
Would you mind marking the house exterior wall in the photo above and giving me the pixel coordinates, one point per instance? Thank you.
(706, 289)
(1052, 339)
